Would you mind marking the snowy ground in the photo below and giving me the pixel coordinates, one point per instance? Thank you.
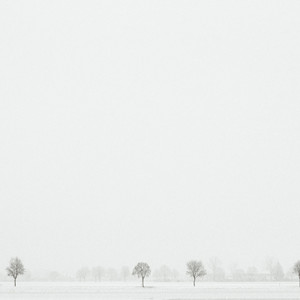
(153, 291)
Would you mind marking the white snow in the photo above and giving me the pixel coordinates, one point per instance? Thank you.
(153, 290)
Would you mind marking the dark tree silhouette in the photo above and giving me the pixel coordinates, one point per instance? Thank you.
(195, 269)
(296, 269)
(142, 269)
(15, 269)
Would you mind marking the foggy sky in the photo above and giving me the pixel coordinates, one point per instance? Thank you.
(154, 131)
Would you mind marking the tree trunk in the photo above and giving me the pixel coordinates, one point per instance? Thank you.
(299, 279)
(194, 281)
(143, 282)
(15, 281)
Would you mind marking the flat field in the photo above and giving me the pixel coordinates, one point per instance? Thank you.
(152, 291)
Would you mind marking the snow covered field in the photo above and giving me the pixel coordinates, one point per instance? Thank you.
(153, 290)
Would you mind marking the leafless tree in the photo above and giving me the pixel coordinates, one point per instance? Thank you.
(83, 273)
(251, 273)
(142, 269)
(278, 273)
(175, 274)
(215, 266)
(125, 273)
(195, 269)
(274, 268)
(239, 274)
(111, 274)
(269, 266)
(54, 276)
(98, 273)
(164, 273)
(15, 269)
(296, 269)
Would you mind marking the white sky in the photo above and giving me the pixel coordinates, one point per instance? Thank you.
(149, 130)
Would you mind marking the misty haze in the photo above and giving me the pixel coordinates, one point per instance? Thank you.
(149, 149)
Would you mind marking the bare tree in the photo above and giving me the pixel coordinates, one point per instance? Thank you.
(195, 269)
(125, 273)
(175, 274)
(112, 274)
(98, 273)
(278, 273)
(15, 269)
(142, 269)
(54, 276)
(83, 273)
(164, 273)
(269, 266)
(251, 273)
(296, 269)
(215, 266)
(274, 268)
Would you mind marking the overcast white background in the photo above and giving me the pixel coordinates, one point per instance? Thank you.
(155, 131)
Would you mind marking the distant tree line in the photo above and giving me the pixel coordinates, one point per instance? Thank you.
(272, 271)
(194, 270)
(100, 273)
